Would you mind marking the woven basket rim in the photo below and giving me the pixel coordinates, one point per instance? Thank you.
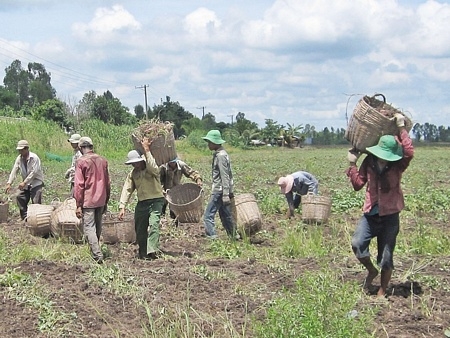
(182, 186)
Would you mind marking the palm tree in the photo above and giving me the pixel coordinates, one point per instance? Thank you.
(293, 136)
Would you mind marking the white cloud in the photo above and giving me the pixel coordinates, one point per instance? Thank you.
(107, 22)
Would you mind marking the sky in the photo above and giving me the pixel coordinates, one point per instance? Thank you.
(293, 61)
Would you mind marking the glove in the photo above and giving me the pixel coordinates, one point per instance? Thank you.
(353, 155)
(399, 120)
(226, 200)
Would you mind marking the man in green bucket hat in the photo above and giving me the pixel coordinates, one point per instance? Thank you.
(382, 171)
(222, 188)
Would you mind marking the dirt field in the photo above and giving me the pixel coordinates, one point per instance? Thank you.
(171, 288)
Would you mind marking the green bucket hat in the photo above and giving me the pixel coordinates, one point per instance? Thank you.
(387, 149)
(214, 136)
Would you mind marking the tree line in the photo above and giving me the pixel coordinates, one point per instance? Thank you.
(28, 92)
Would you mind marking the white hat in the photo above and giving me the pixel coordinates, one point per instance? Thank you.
(22, 144)
(85, 141)
(134, 157)
(75, 138)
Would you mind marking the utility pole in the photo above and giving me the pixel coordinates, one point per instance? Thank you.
(231, 118)
(145, 93)
(203, 114)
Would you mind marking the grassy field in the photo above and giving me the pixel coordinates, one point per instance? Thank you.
(291, 280)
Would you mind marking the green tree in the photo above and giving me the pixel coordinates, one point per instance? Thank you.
(243, 124)
(271, 131)
(139, 112)
(39, 88)
(209, 122)
(192, 124)
(16, 80)
(173, 112)
(51, 110)
(32, 85)
(7, 98)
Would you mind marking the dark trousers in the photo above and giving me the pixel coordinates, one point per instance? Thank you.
(146, 222)
(34, 194)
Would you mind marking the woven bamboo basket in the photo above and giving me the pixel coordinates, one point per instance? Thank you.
(4, 211)
(315, 208)
(248, 216)
(64, 222)
(162, 148)
(38, 219)
(115, 231)
(371, 119)
(186, 201)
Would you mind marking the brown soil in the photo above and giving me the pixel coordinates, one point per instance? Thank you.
(173, 288)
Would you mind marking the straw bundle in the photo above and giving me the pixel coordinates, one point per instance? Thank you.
(163, 139)
(371, 119)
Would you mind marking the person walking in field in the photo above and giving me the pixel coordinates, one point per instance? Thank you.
(222, 189)
(381, 170)
(92, 190)
(145, 179)
(28, 164)
(70, 173)
(171, 174)
(295, 185)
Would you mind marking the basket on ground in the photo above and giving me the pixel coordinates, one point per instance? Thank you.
(371, 119)
(116, 231)
(38, 219)
(4, 211)
(163, 144)
(315, 208)
(248, 216)
(65, 223)
(186, 201)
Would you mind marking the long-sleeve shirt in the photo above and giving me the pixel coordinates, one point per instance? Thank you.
(222, 177)
(71, 171)
(30, 170)
(304, 183)
(146, 182)
(172, 177)
(383, 186)
(92, 186)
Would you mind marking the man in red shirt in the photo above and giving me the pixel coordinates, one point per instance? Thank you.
(92, 188)
(382, 171)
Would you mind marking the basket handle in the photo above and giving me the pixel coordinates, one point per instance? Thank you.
(379, 94)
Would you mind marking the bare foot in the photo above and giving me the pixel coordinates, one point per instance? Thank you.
(370, 277)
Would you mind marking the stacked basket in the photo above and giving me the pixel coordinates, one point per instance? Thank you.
(371, 119)
(65, 223)
(186, 201)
